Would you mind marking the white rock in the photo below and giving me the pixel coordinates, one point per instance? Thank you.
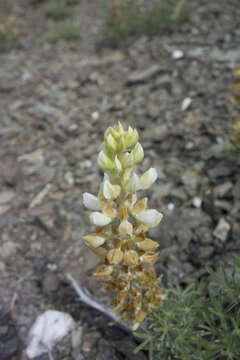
(222, 229)
(69, 178)
(197, 202)
(95, 115)
(171, 206)
(186, 103)
(177, 54)
(48, 329)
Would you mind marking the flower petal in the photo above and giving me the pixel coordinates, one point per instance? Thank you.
(110, 192)
(91, 201)
(93, 240)
(125, 228)
(138, 153)
(99, 219)
(133, 184)
(149, 217)
(104, 162)
(148, 178)
(147, 245)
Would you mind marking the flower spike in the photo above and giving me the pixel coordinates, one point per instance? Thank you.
(121, 221)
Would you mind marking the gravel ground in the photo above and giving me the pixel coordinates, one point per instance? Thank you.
(55, 103)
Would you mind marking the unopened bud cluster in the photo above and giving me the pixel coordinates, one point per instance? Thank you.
(121, 221)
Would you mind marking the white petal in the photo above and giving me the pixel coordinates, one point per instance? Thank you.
(110, 192)
(99, 219)
(149, 217)
(148, 178)
(133, 184)
(91, 201)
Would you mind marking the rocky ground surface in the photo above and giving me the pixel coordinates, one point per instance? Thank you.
(55, 103)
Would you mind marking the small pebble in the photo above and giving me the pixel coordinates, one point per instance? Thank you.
(95, 115)
(197, 202)
(177, 54)
(186, 103)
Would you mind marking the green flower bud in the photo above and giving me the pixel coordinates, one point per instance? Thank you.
(104, 162)
(138, 153)
(111, 142)
(128, 160)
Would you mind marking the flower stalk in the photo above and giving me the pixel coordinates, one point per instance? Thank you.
(121, 221)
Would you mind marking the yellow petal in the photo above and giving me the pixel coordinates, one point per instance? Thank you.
(125, 228)
(115, 256)
(103, 271)
(94, 240)
(149, 258)
(131, 257)
(108, 210)
(148, 245)
(140, 206)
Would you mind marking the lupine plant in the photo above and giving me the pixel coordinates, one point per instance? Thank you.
(121, 221)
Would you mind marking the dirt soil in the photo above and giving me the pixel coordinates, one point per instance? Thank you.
(55, 103)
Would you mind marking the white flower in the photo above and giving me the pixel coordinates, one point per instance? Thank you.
(99, 219)
(91, 202)
(149, 217)
(148, 178)
(110, 192)
(133, 184)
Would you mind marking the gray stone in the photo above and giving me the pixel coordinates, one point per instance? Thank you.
(50, 282)
(143, 75)
(204, 252)
(204, 235)
(90, 341)
(223, 189)
(162, 191)
(188, 268)
(47, 110)
(222, 204)
(76, 337)
(185, 236)
(194, 218)
(33, 157)
(6, 196)
(2, 267)
(4, 209)
(222, 229)
(219, 171)
(8, 249)
(190, 179)
(179, 193)
(158, 133)
(236, 191)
